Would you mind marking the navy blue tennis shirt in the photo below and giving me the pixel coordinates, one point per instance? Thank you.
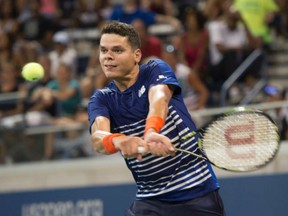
(174, 178)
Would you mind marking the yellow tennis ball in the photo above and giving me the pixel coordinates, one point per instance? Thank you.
(32, 71)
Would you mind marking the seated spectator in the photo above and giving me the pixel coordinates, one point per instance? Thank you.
(276, 92)
(67, 13)
(227, 39)
(130, 11)
(31, 49)
(8, 18)
(194, 91)
(6, 48)
(62, 54)
(183, 4)
(193, 43)
(35, 26)
(9, 83)
(150, 45)
(281, 20)
(66, 90)
(164, 7)
(94, 71)
(90, 14)
(37, 99)
(86, 88)
(50, 9)
(230, 43)
(213, 9)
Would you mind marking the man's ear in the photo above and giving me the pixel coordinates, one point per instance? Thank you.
(138, 56)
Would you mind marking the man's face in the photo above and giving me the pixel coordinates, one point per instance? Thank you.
(117, 58)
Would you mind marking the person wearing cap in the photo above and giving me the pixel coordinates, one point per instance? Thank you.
(62, 53)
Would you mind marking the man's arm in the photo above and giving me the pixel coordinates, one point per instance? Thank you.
(99, 129)
(105, 142)
(159, 98)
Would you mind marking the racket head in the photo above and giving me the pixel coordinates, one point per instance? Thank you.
(241, 140)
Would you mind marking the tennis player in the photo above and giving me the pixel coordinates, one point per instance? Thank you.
(142, 106)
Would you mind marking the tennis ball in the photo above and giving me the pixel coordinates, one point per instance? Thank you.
(32, 71)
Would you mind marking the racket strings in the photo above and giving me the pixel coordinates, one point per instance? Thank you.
(241, 142)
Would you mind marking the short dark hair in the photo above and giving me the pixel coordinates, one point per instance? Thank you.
(125, 30)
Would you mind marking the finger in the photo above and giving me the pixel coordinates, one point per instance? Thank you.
(158, 149)
(139, 157)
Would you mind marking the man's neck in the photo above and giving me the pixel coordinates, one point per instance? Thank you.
(126, 82)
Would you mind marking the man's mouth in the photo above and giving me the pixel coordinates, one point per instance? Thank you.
(109, 66)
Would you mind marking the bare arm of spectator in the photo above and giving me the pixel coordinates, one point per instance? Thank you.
(201, 89)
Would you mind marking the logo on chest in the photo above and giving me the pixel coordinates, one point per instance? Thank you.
(141, 91)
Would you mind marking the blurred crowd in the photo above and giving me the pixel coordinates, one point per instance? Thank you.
(208, 41)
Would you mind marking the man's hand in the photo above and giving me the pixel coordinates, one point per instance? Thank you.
(128, 146)
(159, 145)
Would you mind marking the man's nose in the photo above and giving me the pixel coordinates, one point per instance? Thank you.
(109, 54)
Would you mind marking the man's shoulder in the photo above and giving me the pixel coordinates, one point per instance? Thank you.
(152, 62)
(103, 92)
(153, 65)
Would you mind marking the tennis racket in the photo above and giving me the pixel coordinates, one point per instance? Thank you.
(239, 141)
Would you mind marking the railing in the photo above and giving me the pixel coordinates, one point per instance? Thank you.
(239, 72)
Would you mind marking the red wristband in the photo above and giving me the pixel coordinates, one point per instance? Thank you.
(155, 122)
(108, 144)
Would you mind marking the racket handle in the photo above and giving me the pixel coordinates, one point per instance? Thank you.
(141, 149)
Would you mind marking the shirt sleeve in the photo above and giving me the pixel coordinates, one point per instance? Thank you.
(161, 73)
(97, 106)
(216, 32)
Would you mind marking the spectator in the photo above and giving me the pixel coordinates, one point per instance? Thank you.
(183, 4)
(276, 92)
(8, 18)
(50, 9)
(9, 83)
(213, 9)
(229, 44)
(32, 50)
(86, 89)
(36, 26)
(164, 7)
(150, 45)
(280, 24)
(66, 90)
(6, 48)
(62, 54)
(40, 104)
(193, 44)
(90, 14)
(130, 11)
(39, 100)
(195, 93)
(258, 15)
(94, 71)
(67, 13)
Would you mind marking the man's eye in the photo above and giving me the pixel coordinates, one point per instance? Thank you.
(118, 51)
(103, 50)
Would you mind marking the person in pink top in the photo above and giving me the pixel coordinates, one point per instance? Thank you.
(193, 42)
